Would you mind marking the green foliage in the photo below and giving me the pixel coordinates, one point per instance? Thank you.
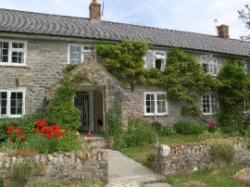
(124, 60)
(139, 134)
(168, 131)
(153, 77)
(41, 144)
(62, 110)
(185, 81)
(233, 90)
(157, 126)
(21, 172)
(223, 151)
(69, 68)
(188, 127)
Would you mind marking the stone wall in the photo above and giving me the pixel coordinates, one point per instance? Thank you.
(88, 166)
(189, 158)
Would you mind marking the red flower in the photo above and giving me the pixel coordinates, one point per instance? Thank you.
(45, 129)
(58, 133)
(41, 123)
(50, 136)
(10, 130)
(55, 127)
(19, 131)
(23, 139)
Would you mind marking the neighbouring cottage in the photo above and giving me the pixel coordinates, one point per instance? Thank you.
(35, 48)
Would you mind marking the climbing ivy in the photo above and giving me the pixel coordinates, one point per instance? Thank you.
(124, 60)
(185, 81)
(233, 91)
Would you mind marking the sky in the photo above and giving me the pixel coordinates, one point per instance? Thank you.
(185, 15)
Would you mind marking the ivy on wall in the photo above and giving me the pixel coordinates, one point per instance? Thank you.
(185, 81)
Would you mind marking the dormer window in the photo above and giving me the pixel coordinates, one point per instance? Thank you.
(79, 54)
(210, 64)
(155, 59)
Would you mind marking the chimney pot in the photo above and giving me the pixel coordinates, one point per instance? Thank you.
(95, 11)
(223, 31)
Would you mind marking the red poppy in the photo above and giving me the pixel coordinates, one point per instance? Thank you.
(55, 127)
(10, 130)
(58, 132)
(23, 139)
(50, 136)
(41, 123)
(19, 131)
(45, 129)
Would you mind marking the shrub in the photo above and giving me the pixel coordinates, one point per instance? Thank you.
(157, 126)
(62, 110)
(21, 172)
(69, 68)
(168, 131)
(140, 133)
(186, 128)
(223, 150)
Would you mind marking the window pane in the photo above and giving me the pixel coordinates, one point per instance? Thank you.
(18, 45)
(3, 103)
(161, 103)
(4, 51)
(206, 104)
(150, 103)
(205, 67)
(75, 54)
(16, 103)
(18, 57)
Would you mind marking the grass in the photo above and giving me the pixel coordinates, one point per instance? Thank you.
(140, 154)
(216, 177)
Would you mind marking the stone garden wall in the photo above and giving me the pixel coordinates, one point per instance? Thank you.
(189, 158)
(83, 166)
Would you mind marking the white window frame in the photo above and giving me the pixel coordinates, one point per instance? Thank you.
(24, 50)
(154, 59)
(156, 113)
(210, 104)
(9, 91)
(246, 111)
(83, 51)
(211, 61)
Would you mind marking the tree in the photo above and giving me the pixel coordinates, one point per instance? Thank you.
(233, 91)
(185, 81)
(124, 60)
(244, 14)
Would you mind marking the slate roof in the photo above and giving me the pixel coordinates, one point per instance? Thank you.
(15, 21)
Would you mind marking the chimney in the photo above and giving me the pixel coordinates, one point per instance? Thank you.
(95, 11)
(223, 31)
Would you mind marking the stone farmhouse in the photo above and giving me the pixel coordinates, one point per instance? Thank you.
(35, 48)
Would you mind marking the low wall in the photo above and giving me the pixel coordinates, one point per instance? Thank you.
(89, 166)
(189, 158)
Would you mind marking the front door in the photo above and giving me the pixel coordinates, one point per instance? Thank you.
(83, 104)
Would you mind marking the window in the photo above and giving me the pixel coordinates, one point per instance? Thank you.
(210, 64)
(246, 106)
(245, 66)
(155, 59)
(12, 53)
(209, 104)
(12, 103)
(155, 103)
(79, 53)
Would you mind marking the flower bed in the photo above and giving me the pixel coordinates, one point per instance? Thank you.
(43, 138)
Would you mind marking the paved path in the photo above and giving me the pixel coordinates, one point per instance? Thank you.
(125, 172)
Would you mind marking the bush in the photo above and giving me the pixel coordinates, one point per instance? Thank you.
(157, 126)
(223, 151)
(186, 128)
(168, 131)
(62, 110)
(21, 172)
(140, 133)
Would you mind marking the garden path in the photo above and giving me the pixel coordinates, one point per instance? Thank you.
(125, 172)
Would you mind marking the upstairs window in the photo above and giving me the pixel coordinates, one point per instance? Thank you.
(210, 64)
(12, 103)
(155, 104)
(245, 66)
(79, 53)
(209, 104)
(12, 53)
(155, 59)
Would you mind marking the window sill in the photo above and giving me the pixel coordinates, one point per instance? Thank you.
(156, 115)
(13, 65)
(12, 116)
(208, 114)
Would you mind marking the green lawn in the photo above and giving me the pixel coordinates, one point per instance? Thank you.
(140, 154)
(217, 177)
